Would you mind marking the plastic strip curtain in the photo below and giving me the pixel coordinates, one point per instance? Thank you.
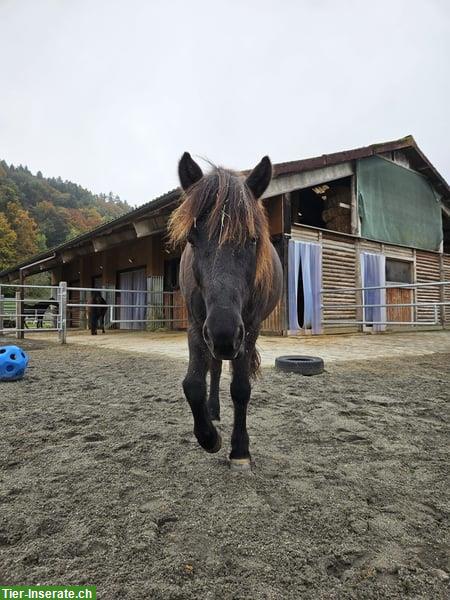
(308, 256)
(133, 280)
(373, 271)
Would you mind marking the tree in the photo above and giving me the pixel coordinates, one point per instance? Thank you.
(9, 192)
(53, 223)
(7, 243)
(28, 239)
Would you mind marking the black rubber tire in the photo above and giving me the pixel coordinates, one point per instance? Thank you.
(303, 365)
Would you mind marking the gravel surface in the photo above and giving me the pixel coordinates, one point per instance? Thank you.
(102, 482)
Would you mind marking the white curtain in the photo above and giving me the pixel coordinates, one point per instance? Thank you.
(373, 272)
(133, 280)
(308, 257)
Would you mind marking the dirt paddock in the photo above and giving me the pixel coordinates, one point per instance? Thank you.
(103, 483)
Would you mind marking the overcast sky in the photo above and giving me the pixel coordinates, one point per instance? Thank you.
(110, 93)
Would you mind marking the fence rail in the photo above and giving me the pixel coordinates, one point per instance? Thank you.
(153, 309)
(372, 313)
(156, 309)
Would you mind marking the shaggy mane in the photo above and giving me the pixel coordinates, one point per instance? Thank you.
(232, 213)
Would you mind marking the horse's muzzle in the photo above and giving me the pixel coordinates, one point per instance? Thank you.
(224, 344)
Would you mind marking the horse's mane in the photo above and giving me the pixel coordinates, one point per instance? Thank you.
(234, 215)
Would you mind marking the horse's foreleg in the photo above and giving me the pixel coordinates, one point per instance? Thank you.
(240, 393)
(194, 386)
(213, 400)
(93, 324)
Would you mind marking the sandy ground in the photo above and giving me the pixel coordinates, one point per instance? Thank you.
(332, 348)
(102, 482)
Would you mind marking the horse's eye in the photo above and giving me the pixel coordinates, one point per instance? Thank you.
(254, 240)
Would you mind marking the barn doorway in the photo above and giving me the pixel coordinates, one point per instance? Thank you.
(133, 301)
(304, 285)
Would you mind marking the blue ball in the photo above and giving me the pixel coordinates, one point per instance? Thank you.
(13, 362)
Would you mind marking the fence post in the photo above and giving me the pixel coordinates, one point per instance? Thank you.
(19, 334)
(2, 311)
(62, 300)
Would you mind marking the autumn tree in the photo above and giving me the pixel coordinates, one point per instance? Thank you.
(29, 240)
(7, 243)
(52, 222)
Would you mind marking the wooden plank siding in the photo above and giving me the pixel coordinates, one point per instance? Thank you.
(180, 313)
(305, 234)
(427, 270)
(339, 262)
(446, 293)
(402, 314)
(275, 321)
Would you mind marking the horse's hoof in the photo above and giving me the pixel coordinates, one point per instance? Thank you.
(218, 445)
(240, 465)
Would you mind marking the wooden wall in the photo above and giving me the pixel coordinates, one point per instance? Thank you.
(446, 291)
(340, 268)
(428, 268)
(147, 252)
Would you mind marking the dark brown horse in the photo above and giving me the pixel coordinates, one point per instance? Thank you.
(231, 279)
(97, 313)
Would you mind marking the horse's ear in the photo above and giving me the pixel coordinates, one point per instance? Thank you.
(188, 171)
(260, 177)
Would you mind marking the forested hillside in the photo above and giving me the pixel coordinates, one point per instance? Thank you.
(37, 212)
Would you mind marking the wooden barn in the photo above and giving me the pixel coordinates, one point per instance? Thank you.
(376, 217)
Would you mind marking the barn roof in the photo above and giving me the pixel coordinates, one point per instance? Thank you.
(407, 145)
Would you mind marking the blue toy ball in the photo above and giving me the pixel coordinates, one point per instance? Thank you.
(13, 362)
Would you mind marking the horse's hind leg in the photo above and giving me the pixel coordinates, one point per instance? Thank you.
(194, 386)
(103, 323)
(240, 392)
(215, 371)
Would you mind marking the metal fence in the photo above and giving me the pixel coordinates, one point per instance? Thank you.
(362, 307)
(67, 305)
(19, 313)
(154, 309)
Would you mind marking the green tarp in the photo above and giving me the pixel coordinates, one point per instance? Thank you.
(397, 205)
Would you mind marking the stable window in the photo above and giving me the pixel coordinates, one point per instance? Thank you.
(399, 271)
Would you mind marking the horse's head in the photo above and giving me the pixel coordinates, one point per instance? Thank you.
(225, 224)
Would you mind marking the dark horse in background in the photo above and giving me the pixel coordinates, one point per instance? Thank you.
(38, 309)
(97, 313)
(231, 279)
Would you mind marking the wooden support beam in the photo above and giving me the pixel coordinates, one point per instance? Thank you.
(106, 241)
(150, 226)
(354, 215)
